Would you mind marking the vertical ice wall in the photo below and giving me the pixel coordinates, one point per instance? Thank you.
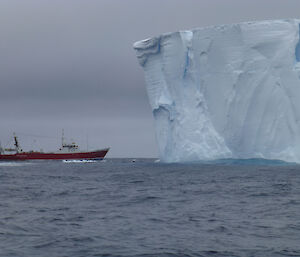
(229, 91)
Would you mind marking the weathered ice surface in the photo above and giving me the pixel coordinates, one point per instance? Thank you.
(229, 91)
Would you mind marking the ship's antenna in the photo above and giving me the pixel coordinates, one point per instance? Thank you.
(62, 138)
(87, 141)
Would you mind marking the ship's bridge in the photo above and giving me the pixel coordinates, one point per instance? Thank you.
(69, 148)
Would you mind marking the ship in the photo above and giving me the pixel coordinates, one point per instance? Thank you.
(67, 151)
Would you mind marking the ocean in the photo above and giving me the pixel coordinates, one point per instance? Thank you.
(126, 207)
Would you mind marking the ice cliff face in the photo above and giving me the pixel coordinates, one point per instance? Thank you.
(230, 91)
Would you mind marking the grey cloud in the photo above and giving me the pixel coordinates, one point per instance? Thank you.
(71, 63)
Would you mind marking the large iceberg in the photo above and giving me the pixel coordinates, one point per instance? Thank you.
(228, 91)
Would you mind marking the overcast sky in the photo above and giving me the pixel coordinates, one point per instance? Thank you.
(70, 64)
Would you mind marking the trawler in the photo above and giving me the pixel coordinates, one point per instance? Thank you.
(67, 151)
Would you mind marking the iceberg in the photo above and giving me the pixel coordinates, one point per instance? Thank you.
(228, 91)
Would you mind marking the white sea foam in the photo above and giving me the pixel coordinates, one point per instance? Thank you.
(79, 161)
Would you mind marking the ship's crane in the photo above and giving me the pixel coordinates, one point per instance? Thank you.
(17, 148)
(16, 144)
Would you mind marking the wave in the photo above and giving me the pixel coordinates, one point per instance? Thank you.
(13, 164)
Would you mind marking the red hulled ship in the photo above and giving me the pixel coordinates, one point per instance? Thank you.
(66, 152)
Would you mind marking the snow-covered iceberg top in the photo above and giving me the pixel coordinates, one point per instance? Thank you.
(228, 91)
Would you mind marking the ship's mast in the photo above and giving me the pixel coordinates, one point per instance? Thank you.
(69, 146)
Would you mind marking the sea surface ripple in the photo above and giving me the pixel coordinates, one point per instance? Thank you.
(143, 208)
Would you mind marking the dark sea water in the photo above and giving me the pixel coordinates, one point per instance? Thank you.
(144, 208)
